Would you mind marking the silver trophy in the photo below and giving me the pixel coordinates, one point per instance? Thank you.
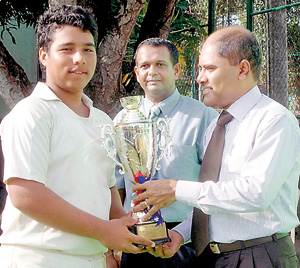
(140, 144)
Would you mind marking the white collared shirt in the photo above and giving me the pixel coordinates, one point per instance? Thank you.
(256, 194)
(45, 141)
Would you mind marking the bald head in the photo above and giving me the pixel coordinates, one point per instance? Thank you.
(236, 44)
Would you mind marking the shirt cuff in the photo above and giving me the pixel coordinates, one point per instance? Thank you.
(187, 192)
(184, 228)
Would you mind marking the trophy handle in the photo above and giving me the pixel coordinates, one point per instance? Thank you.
(107, 132)
(162, 125)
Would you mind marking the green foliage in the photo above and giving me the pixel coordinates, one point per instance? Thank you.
(14, 13)
(128, 59)
(188, 27)
(294, 57)
(188, 30)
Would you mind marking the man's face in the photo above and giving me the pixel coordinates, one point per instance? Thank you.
(155, 72)
(71, 60)
(217, 77)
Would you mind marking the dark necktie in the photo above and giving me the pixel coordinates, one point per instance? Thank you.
(210, 169)
(154, 112)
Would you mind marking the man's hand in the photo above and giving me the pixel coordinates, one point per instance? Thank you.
(167, 250)
(159, 194)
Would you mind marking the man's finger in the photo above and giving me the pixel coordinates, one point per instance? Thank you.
(142, 242)
(138, 240)
(129, 221)
(140, 197)
(141, 206)
(139, 187)
(157, 251)
(150, 213)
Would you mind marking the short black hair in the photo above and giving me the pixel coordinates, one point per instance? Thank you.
(156, 42)
(57, 16)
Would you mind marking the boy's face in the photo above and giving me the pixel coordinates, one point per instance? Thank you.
(71, 60)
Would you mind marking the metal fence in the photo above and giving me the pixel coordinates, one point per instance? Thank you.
(277, 28)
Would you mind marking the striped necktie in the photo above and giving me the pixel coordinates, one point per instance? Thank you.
(154, 112)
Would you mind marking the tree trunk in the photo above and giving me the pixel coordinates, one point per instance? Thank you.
(156, 23)
(61, 2)
(157, 20)
(14, 84)
(105, 87)
(277, 84)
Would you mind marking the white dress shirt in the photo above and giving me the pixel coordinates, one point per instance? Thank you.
(256, 194)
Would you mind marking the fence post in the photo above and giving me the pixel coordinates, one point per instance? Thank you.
(249, 15)
(211, 16)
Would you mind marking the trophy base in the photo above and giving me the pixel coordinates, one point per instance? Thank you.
(157, 234)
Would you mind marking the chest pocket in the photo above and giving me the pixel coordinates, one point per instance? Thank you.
(238, 156)
(180, 163)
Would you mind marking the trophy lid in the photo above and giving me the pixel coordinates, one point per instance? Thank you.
(132, 105)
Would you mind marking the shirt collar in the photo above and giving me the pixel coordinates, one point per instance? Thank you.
(241, 107)
(42, 91)
(166, 105)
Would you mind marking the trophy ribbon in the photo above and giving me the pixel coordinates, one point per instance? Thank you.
(156, 217)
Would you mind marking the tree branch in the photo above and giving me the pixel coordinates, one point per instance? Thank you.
(157, 20)
(105, 87)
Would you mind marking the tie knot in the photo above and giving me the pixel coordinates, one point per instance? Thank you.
(224, 118)
(155, 111)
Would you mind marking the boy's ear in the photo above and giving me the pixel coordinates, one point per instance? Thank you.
(43, 56)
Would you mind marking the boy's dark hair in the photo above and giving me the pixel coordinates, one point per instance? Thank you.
(57, 16)
(156, 42)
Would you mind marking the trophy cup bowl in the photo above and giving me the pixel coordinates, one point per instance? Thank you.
(136, 142)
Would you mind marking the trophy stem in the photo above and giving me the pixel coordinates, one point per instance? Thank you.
(133, 116)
